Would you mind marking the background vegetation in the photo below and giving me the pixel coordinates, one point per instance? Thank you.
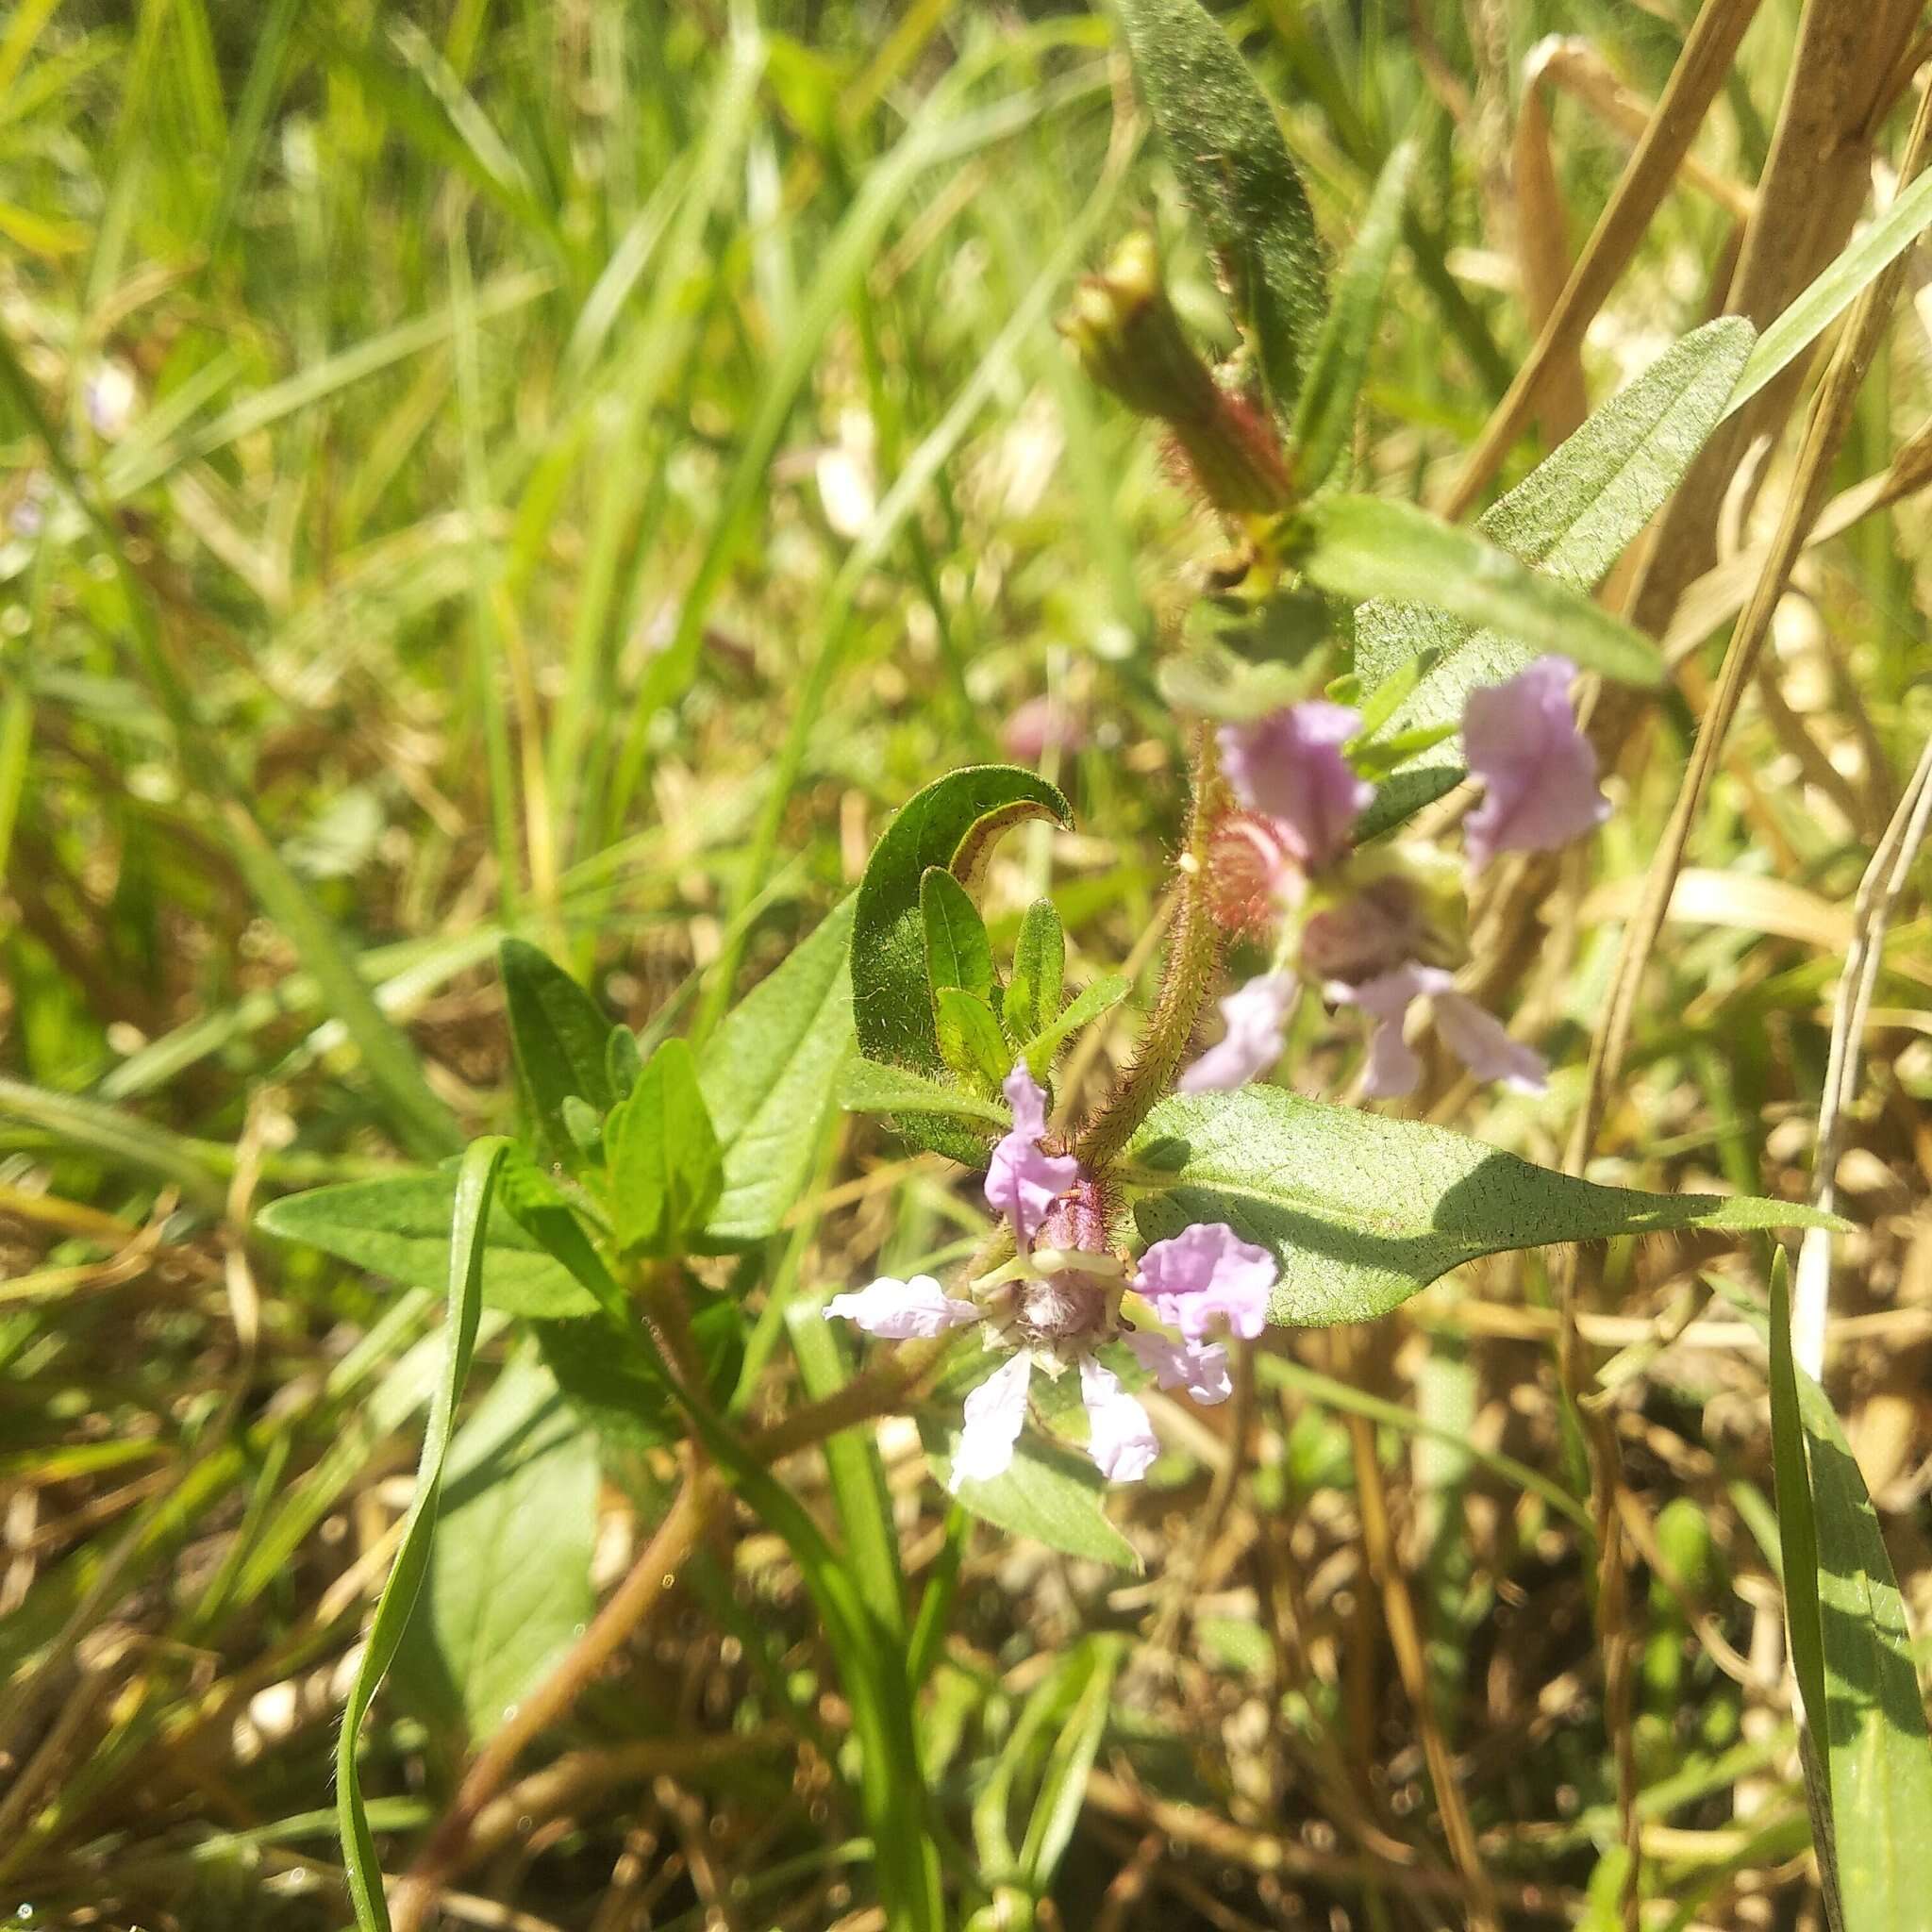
(572, 470)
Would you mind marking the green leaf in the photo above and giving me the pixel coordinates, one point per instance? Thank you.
(1866, 258)
(1852, 1649)
(1051, 1493)
(1369, 547)
(1032, 997)
(1570, 518)
(868, 1088)
(958, 951)
(560, 1041)
(666, 1173)
(970, 1043)
(953, 823)
(1360, 1212)
(362, 1871)
(1101, 998)
(1325, 418)
(401, 1227)
(622, 1064)
(1225, 147)
(1062, 1793)
(768, 1077)
(510, 1577)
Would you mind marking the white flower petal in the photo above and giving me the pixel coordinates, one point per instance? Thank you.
(1199, 1367)
(1120, 1438)
(900, 1311)
(994, 1412)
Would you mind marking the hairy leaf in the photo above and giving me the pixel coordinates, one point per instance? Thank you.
(1101, 998)
(1360, 1212)
(958, 951)
(1032, 998)
(1225, 146)
(868, 1088)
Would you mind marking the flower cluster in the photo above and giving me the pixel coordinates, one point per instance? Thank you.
(1059, 1301)
(1360, 924)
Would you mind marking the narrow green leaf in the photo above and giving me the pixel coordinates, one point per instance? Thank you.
(1791, 1476)
(958, 951)
(1867, 254)
(868, 1088)
(1063, 1785)
(1324, 417)
(767, 1076)
(1032, 997)
(953, 823)
(1360, 1212)
(401, 1227)
(666, 1172)
(560, 1041)
(509, 1581)
(970, 1039)
(362, 1872)
(1570, 518)
(1051, 1493)
(1224, 144)
(1101, 998)
(1370, 546)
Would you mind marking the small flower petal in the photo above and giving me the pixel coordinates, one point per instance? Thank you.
(1120, 1438)
(1252, 1045)
(1290, 766)
(1478, 1040)
(993, 1414)
(1205, 1271)
(1539, 771)
(1199, 1367)
(1022, 1182)
(900, 1311)
(1393, 1067)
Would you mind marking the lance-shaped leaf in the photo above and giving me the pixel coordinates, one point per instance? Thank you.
(1570, 519)
(1369, 547)
(958, 951)
(953, 824)
(768, 1075)
(666, 1173)
(401, 1227)
(559, 1041)
(1324, 417)
(1032, 998)
(868, 1088)
(1224, 144)
(1852, 1650)
(1106, 993)
(1361, 1213)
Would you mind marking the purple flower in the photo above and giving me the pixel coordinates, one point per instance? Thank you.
(1199, 1367)
(900, 1311)
(1539, 771)
(1477, 1039)
(1040, 725)
(1023, 1182)
(1288, 766)
(993, 1414)
(1255, 1014)
(1120, 1438)
(1206, 1273)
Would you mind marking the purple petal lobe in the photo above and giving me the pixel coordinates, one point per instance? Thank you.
(1479, 1041)
(993, 1414)
(1538, 772)
(1288, 765)
(1120, 1438)
(1252, 1045)
(1393, 1067)
(1022, 1182)
(1199, 1367)
(900, 1311)
(1208, 1274)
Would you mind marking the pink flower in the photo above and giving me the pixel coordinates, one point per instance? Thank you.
(1288, 766)
(1038, 726)
(900, 1311)
(1023, 1182)
(1206, 1273)
(1199, 1367)
(993, 1414)
(1120, 1438)
(1538, 772)
(1255, 1014)
(1477, 1039)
